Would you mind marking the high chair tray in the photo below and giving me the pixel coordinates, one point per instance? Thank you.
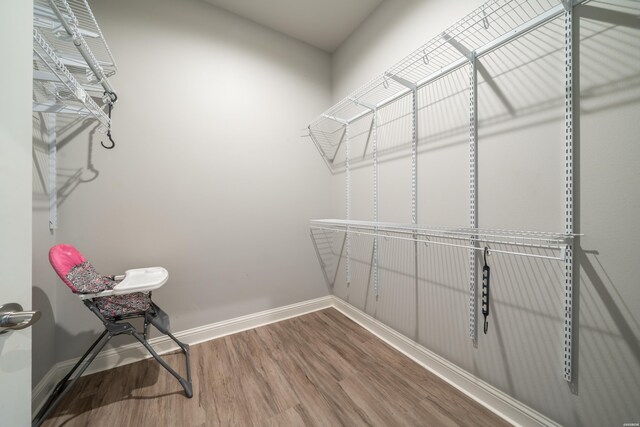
(141, 280)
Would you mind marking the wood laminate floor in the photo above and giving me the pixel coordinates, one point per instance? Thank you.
(320, 369)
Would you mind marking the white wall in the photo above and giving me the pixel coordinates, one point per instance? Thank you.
(391, 32)
(520, 177)
(210, 177)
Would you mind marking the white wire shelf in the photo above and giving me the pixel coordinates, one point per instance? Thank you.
(72, 61)
(468, 238)
(479, 33)
(57, 90)
(86, 33)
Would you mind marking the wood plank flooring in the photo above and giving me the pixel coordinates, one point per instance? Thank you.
(320, 369)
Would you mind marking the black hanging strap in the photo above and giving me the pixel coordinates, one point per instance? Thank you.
(486, 276)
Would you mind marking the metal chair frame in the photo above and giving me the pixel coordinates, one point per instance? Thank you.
(114, 326)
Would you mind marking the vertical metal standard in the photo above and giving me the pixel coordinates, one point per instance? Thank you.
(374, 135)
(568, 262)
(414, 167)
(414, 146)
(414, 197)
(473, 194)
(50, 119)
(348, 197)
(414, 157)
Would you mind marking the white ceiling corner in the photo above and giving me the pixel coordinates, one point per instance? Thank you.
(324, 24)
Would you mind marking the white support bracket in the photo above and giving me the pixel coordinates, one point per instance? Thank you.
(336, 119)
(344, 123)
(339, 144)
(473, 57)
(372, 108)
(404, 82)
(364, 104)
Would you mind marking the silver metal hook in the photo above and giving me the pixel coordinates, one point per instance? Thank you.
(425, 58)
(485, 20)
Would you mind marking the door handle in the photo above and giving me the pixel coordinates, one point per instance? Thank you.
(12, 317)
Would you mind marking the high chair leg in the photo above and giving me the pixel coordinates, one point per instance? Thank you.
(185, 350)
(67, 382)
(185, 383)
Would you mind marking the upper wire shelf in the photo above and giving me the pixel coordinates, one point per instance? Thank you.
(480, 32)
(72, 61)
(456, 237)
(60, 85)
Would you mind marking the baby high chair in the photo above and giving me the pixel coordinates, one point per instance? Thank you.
(113, 299)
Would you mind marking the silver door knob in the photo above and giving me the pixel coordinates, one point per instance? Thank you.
(12, 317)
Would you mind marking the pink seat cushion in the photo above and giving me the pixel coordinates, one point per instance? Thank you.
(81, 277)
(63, 259)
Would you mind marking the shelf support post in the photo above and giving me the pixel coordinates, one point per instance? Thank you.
(348, 197)
(473, 194)
(375, 199)
(568, 260)
(50, 120)
(414, 143)
(414, 196)
(413, 87)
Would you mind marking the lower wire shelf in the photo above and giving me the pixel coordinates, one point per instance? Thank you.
(469, 238)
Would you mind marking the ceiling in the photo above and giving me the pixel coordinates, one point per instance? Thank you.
(324, 24)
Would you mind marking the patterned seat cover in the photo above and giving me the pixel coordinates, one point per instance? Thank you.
(82, 278)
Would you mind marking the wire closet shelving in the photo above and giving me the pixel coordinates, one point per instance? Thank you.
(72, 61)
(496, 24)
(72, 64)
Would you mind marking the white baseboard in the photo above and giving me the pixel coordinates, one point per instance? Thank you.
(134, 352)
(497, 401)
